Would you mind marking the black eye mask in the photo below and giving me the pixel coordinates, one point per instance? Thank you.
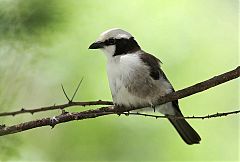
(124, 46)
(109, 42)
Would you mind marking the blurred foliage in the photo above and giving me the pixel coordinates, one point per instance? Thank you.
(44, 43)
(8, 148)
(29, 18)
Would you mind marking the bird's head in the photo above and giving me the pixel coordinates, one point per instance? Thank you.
(115, 42)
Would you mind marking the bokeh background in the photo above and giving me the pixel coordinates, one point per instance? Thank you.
(45, 43)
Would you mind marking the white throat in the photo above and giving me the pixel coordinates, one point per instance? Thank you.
(109, 51)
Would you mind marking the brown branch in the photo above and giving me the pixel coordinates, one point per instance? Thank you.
(177, 95)
(5, 130)
(55, 107)
(66, 117)
(185, 117)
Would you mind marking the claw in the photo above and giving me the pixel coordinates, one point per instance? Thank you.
(64, 112)
(127, 114)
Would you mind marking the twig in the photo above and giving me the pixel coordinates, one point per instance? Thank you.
(76, 89)
(4, 130)
(65, 94)
(186, 117)
(55, 107)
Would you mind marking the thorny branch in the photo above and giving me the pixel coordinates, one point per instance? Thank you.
(66, 117)
(55, 107)
(70, 103)
(185, 117)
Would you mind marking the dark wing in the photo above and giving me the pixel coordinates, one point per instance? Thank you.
(156, 72)
(188, 134)
(154, 64)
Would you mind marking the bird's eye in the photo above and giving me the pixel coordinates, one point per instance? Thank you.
(111, 41)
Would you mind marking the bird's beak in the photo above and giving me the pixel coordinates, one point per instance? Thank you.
(96, 45)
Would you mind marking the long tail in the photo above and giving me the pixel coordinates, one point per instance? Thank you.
(188, 134)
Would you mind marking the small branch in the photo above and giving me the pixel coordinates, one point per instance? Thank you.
(4, 130)
(186, 117)
(76, 89)
(65, 94)
(199, 87)
(55, 107)
(66, 117)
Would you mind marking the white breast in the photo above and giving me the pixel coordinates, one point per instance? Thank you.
(119, 71)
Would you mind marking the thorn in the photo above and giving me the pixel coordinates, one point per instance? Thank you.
(76, 89)
(65, 94)
(64, 112)
(2, 126)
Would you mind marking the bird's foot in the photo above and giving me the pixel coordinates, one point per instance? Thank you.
(119, 109)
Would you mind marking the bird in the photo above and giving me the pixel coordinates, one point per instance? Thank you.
(136, 78)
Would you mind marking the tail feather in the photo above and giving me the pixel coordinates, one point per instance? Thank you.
(188, 134)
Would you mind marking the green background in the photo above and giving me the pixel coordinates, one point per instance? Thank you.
(45, 43)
